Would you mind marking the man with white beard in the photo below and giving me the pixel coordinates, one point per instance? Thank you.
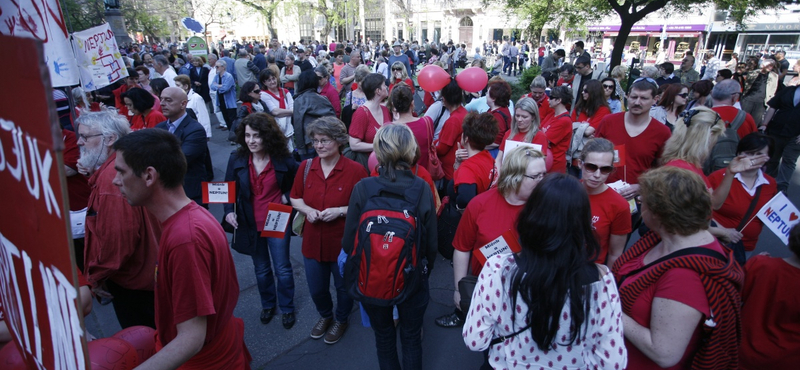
(121, 243)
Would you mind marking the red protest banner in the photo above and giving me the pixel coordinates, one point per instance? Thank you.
(37, 274)
(219, 192)
(277, 218)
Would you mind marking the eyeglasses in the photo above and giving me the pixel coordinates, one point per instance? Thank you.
(536, 177)
(323, 142)
(584, 92)
(592, 168)
(85, 138)
(608, 87)
(319, 77)
(683, 95)
(397, 69)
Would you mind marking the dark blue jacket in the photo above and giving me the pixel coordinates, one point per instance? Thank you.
(194, 145)
(239, 171)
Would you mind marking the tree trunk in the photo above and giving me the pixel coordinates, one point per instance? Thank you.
(619, 43)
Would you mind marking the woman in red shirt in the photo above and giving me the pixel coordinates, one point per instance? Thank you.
(770, 327)
(402, 102)
(538, 87)
(672, 279)
(498, 97)
(371, 116)
(140, 103)
(525, 128)
(591, 106)
(739, 191)
(322, 194)
(399, 74)
(491, 214)
(475, 171)
(558, 128)
(611, 215)
(264, 172)
(450, 136)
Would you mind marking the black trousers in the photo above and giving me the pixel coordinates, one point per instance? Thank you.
(133, 307)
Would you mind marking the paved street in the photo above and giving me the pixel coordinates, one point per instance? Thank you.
(273, 347)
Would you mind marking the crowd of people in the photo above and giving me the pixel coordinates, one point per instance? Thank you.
(562, 177)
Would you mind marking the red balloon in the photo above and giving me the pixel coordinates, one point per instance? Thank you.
(472, 79)
(433, 78)
(142, 338)
(112, 354)
(11, 359)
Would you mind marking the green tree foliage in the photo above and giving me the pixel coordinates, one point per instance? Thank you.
(83, 14)
(574, 14)
(142, 16)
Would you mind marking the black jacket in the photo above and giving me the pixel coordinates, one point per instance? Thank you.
(202, 78)
(239, 171)
(786, 121)
(194, 145)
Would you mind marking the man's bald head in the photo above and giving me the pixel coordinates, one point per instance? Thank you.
(173, 103)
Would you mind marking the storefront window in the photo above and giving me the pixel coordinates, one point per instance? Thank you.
(750, 44)
(788, 42)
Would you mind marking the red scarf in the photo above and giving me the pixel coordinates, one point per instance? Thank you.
(280, 97)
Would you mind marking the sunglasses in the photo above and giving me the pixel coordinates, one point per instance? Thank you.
(592, 168)
(684, 95)
(256, 91)
(608, 87)
(397, 69)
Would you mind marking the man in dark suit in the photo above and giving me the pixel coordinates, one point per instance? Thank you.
(193, 141)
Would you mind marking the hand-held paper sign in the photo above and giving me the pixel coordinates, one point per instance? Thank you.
(504, 244)
(219, 192)
(278, 217)
(779, 215)
(432, 78)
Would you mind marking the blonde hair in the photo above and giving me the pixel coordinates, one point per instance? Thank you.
(692, 141)
(678, 198)
(402, 69)
(395, 148)
(529, 105)
(619, 71)
(515, 164)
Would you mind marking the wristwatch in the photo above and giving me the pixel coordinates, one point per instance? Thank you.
(341, 213)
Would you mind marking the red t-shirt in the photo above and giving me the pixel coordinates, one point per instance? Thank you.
(611, 215)
(770, 328)
(423, 132)
(364, 126)
(449, 138)
(195, 275)
(265, 191)
(678, 284)
(736, 204)
(544, 108)
(78, 189)
(641, 152)
(728, 113)
(478, 169)
(407, 81)
(333, 96)
(680, 163)
(559, 133)
(594, 120)
(139, 122)
(538, 138)
(503, 123)
(322, 241)
(487, 216)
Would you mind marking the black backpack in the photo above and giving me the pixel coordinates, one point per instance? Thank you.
(387, 262)
(725, 149)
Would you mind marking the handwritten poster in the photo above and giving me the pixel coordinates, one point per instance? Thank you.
(779, 215)
(97, 54)
(504, 244)
(42, 20)
(219, 192)
(277, 218)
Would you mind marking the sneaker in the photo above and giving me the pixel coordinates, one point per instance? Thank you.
(451, 320)
(288, 320)
(322, 326)
(335, 332)
(266, 315)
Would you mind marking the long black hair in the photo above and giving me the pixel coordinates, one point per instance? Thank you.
(557, 258)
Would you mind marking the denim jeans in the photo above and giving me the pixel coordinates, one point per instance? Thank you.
(411, 313)
(506, 63)
(278, 251)
(318, 275)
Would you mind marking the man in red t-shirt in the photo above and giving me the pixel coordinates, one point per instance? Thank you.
(643, 137)
(724, 95)
(196, 284)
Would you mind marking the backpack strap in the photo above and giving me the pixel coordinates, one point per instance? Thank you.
(750, 209)
(739, 120)
(680, 253)
(439, 117)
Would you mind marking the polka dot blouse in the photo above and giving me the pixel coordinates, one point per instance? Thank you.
(600, 347)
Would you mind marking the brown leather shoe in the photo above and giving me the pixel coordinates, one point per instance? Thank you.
(335, 332)
(321, 327)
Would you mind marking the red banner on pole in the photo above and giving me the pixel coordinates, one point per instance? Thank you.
(219, 192)
(37, 274)
(619, 155)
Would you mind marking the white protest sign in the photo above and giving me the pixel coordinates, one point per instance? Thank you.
(512, 144)
(779, 215)
(278, 217)
(97, 54)
(504, 244)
